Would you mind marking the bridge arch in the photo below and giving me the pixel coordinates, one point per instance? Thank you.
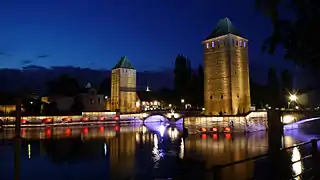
(297, 124)
(156, 118)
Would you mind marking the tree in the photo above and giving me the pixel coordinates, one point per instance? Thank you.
(182, 76)
(296, 33)
(64, 85)
(287, 86)
(287, 81)
(273, 88)
(77, 106)
(105, 86)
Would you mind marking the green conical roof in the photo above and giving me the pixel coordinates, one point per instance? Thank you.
(124, 63)
(224, 27)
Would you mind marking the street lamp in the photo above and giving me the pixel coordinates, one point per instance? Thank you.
(293, 98)
(182, 100)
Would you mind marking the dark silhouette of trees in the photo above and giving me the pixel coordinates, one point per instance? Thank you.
(188, 84)
(64, 85)
(105, 86)
(50, 109)
(296, 32)
(77, 106)
(287, 86)
(273, 89)
(258, 94)
(287, 80)
(182, 76)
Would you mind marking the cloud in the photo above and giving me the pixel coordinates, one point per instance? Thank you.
(42, 56)
(25, 62)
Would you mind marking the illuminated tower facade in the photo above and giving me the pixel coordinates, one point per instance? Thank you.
(123, 87)
(226, 71)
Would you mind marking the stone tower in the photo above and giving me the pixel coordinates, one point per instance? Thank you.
(226, 71)
(123, 87)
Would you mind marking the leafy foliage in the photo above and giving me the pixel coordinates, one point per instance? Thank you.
(296, 32)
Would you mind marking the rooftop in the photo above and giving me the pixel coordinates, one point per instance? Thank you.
(223, 27)
(123, 63)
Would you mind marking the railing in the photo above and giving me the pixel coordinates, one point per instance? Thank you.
(314, 155)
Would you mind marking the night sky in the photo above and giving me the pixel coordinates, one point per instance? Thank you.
(96, 33)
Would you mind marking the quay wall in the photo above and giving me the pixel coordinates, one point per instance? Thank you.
(254, 121)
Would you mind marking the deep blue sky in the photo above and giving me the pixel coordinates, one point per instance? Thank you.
(96, 33)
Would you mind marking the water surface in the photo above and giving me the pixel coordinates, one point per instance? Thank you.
(130, 151)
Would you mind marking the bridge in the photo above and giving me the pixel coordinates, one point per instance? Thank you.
(95, 118)
(155, 115)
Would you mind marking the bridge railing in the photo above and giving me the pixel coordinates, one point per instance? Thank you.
(313, 155)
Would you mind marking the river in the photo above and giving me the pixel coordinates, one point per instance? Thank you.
(151, 151)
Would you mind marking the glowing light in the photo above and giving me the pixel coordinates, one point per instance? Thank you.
(138, 104)
(116, 128)
(144, 115)
(84, 119)
(215, 129)
(85, 130)
(101, 129)
(101, 118)
(293, 98)
(173, 133)
(182, 101)
(297, 107)
(203, 136)
(144, 129)
(227, 136)
(29, 151)
(116, 118)
(137, 138)
(105, 149)
(203, 129)
(215, 136)
(181, 154)
(161, 130)
(287, 119)
(23, 121)
(48, 132)
(297, 167)
(170, 105)
(68, 132)
(227, 130)
(203, 109)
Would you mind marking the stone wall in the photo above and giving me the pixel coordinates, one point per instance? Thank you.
(255, 121)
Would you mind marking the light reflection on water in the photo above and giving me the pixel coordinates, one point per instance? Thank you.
(118, 152)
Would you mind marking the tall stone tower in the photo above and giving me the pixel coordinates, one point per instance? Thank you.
(226, 71)
(123, 87)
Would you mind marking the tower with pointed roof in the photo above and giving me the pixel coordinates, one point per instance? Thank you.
(123, 87)
(226, 71)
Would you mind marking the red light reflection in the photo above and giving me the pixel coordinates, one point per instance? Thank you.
(215, 136)
(47, 132)
(203, 136)
(101, 129)
(23, 121)
(68, 132)
(227, 136)
(85, 130)
(23, 132)
(116, 128)
(116, 118)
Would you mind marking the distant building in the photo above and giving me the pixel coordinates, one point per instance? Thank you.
(226, 71)
(91, 100)
(147, 100)
(123, 87)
